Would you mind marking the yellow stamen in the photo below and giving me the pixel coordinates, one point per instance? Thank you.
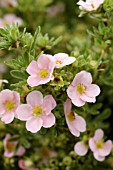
(81, 88)
(43, 73)
(71, 116)
(37, 111)
(10, 147)
(9, 105)
(99, 144)
(58, 62)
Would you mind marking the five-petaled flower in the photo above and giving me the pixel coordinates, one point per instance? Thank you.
(37, 111)
(98, 147)
(90, 5)
(9, 101)
(81, 90)
(9, 19)
(10, 147)
(62, 59)
(41, 71)
(76, 123)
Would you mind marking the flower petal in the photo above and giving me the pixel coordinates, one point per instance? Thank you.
(92, 144)
(99, 133)
(24, 112)
(32, 68)
(6, 95)
(82, 77)
(49, 104)
(86, 98)
(67, 106)
(33, 81)
(34, 124)
(34, 98)
(106, 148)
(20, 151)
(80, 148)
(48, 121)
(98, 157)
(8, 117)
(80, 123)
(78, 102)
(92, 90)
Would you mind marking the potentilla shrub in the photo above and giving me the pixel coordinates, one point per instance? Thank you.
(56, 93)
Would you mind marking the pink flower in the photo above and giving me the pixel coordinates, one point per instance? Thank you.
(10, 147)
(90, 5)
(9, 101)
(81, 148)
(81, 90)
(76, 124)
(98, 147)
(5, 3)
(9, 19)
(62, 59)
(37, 111)
(41, 71)
(25, 164)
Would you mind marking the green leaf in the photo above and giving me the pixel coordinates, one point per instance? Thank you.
(18, 74)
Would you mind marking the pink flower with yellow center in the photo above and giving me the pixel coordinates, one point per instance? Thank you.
(90, 5)
(41, 70)
(76, 123)
(37, 111)
(9, 101)
(10, 147)
(62, 59)
(99, 148)
(82, 90)
(9, 19)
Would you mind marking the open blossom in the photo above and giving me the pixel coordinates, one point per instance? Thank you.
(9, 101)
(62, 59)
(90, 5)
(9, 19)
(6, 3)
(76, 124)
(26, 164)
(37, 111)
(98, 147)
(81, 148)
(41, 71)
(81, 90)
(10, 147)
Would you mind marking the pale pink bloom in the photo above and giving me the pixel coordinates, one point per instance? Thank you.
(76, 123)
(9, 19)
(10, 147)
(56, 9)
(62, 59)
(41, 70)
(98, 147)
(5, 3)
(81, 90)
(81, 148)
(9, 101)
(90, 5)
(37, 111)
(25, 164)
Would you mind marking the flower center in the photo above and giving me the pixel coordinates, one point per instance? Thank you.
(99, 144)
(9, 105)
(92, 6)
(43, 73)
(58, 62)
(10, 147)
(71, 116)
(81, 88)
(37, 111)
